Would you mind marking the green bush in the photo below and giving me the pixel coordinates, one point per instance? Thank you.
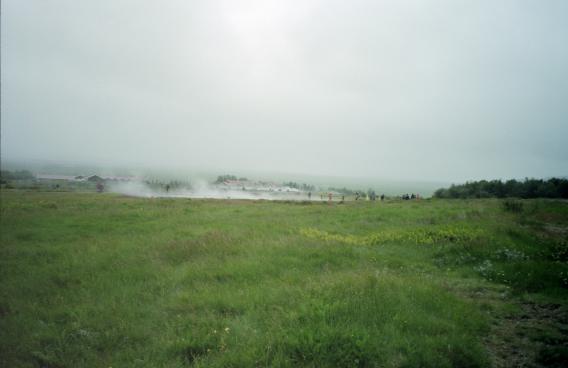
(512, 206)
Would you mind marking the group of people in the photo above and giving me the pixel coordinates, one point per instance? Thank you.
(407, 196)
(372, 196)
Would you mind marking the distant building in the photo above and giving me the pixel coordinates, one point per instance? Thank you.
(288, 189)
(95, 178)
(119, 178)
(234, 183)
(90, 178)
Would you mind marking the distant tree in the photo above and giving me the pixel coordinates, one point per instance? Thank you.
(6, 175)
(223, 178)
(307, 187)
(529, 188)
(291, 184)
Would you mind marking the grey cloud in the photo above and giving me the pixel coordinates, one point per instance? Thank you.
(435, 90)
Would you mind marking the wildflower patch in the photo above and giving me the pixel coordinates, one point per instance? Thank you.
(417, 236)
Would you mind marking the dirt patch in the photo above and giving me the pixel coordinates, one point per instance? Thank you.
(534, 337)
(4, 310)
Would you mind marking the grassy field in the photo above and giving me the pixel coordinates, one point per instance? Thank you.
(102, 280)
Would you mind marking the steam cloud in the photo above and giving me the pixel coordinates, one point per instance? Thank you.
(202, 189)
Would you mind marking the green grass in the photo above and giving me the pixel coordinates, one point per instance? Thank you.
(101, 280)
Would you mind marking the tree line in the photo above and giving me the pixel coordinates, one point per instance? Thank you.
(6, 175)
(529, 188)
(228, 177)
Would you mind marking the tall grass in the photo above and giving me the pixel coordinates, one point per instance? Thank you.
(102, 280)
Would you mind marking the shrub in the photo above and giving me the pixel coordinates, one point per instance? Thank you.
(512, 206)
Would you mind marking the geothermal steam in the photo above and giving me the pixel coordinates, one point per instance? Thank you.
(201, 189)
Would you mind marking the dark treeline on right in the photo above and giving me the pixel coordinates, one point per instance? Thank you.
(529, 188)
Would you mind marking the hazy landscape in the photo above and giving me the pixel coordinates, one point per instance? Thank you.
(263, 183)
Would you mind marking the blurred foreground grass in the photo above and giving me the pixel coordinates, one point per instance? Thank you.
(100, 280)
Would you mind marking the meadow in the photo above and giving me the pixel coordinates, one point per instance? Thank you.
(104, 280)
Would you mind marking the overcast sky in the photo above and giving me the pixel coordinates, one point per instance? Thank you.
(431, 90)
